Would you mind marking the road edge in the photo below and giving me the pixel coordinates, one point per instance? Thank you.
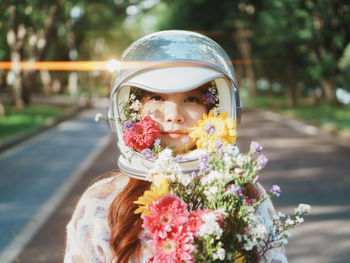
(19, 242)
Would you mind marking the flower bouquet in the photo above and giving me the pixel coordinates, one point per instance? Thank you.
(209, 215)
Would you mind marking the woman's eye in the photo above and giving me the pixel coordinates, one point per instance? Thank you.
(156, 97)
(192, 99)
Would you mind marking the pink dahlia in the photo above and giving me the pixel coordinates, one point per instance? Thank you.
(175, 248)
(167, 214)
(196, 221)
(142, 134)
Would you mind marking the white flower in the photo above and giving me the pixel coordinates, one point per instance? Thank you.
(302, 209)
(213, 190)
(238, 170)
(166, 164)
(135, 117)
(280, 214)
(289, 222)
(220, 254)
(165, 154)
(211, 177)
(299, 220)
(228, 160)
(240, 159)
(136, 105)
(260, 230)
(231, 149)
(185, 179)
(210, 226)
(249, 245)
(132, 96)
(284, 241)
(98, 116)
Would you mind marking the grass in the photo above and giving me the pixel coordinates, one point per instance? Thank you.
(325, 116)
(19, 121)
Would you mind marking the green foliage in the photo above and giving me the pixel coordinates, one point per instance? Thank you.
(322, 115)
(18, 121)
(325, 116)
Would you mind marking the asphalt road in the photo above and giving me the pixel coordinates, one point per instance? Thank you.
(33, 175)
(309, 169)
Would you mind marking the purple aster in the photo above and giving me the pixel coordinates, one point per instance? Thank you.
(209, 129)
(147, 153)
(255, 147)
(218, 143)
(209, 98)
(194, 174)
(203, 163)
(185, 140)
(157, 142)
(128, 125)
(234, 189)
(276, 190)
(178, 158)
(262, 161)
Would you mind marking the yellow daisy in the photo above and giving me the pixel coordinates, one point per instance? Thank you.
(238, 258)
(149, 196)
(211, 129)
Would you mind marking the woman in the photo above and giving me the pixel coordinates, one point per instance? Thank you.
(170, 78)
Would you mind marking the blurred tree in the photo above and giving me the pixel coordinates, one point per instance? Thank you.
(38, 30)
(344, 64)
(309, 36)
(304, 40)
(331, 34)
(230, 23)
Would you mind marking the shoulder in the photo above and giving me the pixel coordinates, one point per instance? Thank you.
(95, 201)
(266, 208)
(88, 230)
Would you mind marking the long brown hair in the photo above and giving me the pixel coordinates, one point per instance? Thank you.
(126, 226)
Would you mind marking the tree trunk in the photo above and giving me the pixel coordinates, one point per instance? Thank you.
(329, 89)
(15, 39)
(91, 85)
(292, 76)
(46, 80)
(73, 84)
(40, 52)
(17, 84)
(2, 85)
(244, 46)
(2, 108)
(239, 74)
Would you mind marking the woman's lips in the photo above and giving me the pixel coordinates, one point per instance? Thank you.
(173, 134)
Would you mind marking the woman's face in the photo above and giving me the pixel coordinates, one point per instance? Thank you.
(175, 114)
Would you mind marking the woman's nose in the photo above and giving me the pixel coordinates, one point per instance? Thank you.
(172, 113)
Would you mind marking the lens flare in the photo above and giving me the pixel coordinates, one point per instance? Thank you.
(110, 65)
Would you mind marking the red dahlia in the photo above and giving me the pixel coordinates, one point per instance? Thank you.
(142, 135)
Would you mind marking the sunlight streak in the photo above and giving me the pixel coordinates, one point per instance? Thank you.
(110, 65)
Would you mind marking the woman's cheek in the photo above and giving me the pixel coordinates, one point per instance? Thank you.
(155, 113)
(195, 114)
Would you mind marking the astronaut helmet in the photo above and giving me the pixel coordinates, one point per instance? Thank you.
(168, 62)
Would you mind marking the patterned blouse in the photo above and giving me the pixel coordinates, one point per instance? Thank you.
(88, 232)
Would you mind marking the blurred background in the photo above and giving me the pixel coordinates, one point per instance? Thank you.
(292, 58)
